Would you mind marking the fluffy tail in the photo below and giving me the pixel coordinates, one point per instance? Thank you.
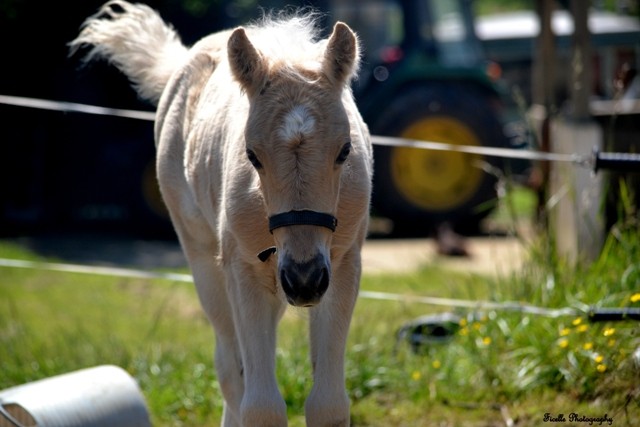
(137, 41)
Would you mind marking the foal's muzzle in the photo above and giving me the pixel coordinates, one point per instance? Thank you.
(304, 283)
(302, 217)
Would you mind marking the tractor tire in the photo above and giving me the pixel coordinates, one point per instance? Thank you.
(418, 189)
(151, 217)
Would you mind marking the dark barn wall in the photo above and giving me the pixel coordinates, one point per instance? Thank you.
(76, 171)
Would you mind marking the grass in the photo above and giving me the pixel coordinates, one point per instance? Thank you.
(498, 365)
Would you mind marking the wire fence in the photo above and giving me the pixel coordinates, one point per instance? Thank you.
(627, 162)
(593, 313)
(596, 160)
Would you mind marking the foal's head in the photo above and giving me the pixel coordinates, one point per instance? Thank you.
(298, 139)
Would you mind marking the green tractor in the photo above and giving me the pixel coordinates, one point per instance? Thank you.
(424, 77)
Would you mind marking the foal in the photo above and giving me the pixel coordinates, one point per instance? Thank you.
(265, 166)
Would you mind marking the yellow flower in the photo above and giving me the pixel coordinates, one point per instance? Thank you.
(486, 340)
(609, 331)
(182, 412)
(577, 321)
(416, 375)
(611, 342)
(598, 358)
(582, 328)
(464, 331)
(601, 368)
(563, 343)
(564, 332)
(588, 346)
(436, 364)
(463, 322)
(476, 326)
(635, 297)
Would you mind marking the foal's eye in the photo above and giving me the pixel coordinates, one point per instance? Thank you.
(254, 159)
(344, 153)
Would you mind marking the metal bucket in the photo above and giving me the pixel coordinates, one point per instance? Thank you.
(104, 396)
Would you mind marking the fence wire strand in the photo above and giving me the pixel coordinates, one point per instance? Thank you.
(512, 153)
(374, 295)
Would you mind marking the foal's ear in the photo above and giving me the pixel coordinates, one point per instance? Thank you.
(342, 55)
(246, 62)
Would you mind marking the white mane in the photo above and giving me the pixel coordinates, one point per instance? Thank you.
(282, 37)
(292, 40)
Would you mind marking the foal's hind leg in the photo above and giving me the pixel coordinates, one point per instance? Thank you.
(215, 302)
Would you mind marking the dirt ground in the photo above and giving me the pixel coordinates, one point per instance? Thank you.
(498, 255)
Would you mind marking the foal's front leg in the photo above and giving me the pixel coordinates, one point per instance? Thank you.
(257, 311)
(328, 403)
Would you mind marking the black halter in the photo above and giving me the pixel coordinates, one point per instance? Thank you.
(302, 217)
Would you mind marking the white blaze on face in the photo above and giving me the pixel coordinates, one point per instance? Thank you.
(297, 123)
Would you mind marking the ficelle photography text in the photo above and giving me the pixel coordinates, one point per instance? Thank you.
(577, 418)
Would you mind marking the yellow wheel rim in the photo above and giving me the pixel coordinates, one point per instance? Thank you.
(436, 180)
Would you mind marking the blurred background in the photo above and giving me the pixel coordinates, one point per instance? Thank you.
(481, 73)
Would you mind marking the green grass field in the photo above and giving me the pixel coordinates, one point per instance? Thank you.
(499, 365)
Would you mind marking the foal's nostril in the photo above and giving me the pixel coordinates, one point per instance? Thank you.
(322, 281)
(304, 283)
